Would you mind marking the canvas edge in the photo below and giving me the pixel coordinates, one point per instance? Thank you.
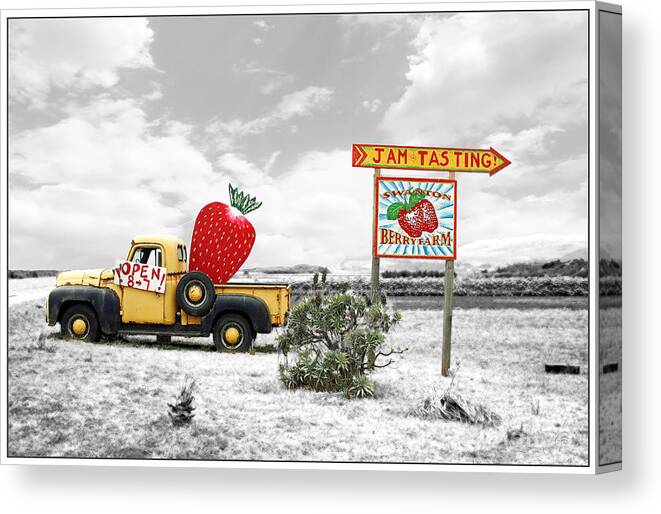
(589, 5)
(610, 467)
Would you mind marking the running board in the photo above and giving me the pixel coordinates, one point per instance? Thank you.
(161, 330)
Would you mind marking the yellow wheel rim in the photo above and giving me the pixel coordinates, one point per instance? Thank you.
(195, 293)
(232, 336)
(79, 327)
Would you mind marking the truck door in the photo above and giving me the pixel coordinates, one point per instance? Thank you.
(140, 306)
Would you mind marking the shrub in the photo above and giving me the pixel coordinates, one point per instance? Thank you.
(450, 406)
(337, 341)
(181, 411)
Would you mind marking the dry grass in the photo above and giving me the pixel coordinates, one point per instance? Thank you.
(610, 384)
(110, 400)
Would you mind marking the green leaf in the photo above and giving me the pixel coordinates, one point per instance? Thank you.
(416, 196)
(393, 210)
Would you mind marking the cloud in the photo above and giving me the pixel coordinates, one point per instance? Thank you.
(74, 54)
(517, 82)
(275, 79)
(473, 72)
(262, 25)
(317, 212)
(258, 41)
(299, 104)
(371, 105)
(81, 188)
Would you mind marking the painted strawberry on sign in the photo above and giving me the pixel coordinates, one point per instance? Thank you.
(415, 215)
(223, 237)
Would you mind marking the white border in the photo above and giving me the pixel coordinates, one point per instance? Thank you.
(590, 6)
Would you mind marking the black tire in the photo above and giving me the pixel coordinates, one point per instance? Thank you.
(202, 306)
(238, 322)
(80, 312)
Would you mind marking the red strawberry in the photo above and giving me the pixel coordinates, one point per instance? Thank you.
(222, 237)
(411, 222)
(429, 218)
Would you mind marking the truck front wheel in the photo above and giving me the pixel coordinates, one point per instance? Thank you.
(80, 322)
(233, 333)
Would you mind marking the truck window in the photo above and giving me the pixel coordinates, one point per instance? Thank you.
(148, 255)
(181, 253)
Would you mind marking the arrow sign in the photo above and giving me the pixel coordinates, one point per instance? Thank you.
(428, 158)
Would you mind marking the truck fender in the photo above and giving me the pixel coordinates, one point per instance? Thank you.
(254, 309)
(104, 301)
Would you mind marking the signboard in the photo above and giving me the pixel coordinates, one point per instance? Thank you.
(140, 276)
(428, 159)
(415, 218)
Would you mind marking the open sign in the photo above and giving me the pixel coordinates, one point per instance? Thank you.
(140, 276)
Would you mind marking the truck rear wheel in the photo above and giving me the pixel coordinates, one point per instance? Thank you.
(233, 333)
(195, 293)
(80, 322)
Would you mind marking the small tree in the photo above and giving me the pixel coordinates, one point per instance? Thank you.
(337, 340)
(315, 280)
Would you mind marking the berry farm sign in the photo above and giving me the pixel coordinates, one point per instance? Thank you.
(415, 218)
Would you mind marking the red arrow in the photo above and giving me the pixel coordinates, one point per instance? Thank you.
(506, 161)
(358, 155)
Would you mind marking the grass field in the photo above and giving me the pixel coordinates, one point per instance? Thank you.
(610, 384)
(73, 399)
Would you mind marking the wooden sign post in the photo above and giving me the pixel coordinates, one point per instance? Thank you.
(448, 306)
(415, 218)
(375, 290)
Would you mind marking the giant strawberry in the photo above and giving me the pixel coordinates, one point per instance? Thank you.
(223, 237)
(415, 215)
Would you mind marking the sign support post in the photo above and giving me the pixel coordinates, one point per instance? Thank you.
(448, 297)
(375, 291)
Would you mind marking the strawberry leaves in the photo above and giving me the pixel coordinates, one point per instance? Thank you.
(393, 210)
(415, 197)
(242, 201)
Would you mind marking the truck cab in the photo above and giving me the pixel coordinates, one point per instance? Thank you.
(92, 303)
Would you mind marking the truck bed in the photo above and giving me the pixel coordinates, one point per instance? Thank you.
(277, 297)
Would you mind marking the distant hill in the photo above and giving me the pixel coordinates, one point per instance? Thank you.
(532, 248)
(32, 273)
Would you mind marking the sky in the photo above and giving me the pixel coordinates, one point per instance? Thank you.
(122, 126)
(610, 136)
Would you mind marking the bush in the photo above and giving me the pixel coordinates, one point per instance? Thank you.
(181, 411)
(337, 341)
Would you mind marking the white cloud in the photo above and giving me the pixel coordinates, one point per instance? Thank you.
(258, 41)
(299, 104)
(471, 73)
(80, 189)
(275, 79)
(262, 25)
(74, 54)
(371, 105)
(317, 212)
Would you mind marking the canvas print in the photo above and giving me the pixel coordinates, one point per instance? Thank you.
(304, 238)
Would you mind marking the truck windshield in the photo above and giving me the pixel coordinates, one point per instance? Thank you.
(148, 255)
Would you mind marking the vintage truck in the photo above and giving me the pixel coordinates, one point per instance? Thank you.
(89, 303)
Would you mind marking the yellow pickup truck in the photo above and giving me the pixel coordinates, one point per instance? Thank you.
(89, 303)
